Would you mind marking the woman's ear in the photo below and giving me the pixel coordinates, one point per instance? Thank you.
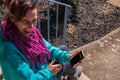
(12, 18)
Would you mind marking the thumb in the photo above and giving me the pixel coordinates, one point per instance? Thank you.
(52, 62)
(73, 54)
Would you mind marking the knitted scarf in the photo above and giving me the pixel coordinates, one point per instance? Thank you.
(32, 47)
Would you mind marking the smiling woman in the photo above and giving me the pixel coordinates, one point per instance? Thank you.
(24, 53)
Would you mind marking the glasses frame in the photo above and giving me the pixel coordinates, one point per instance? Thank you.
(28, 23)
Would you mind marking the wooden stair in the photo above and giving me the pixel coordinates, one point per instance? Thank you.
(114, 2)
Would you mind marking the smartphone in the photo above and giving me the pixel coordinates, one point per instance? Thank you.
(76, 58)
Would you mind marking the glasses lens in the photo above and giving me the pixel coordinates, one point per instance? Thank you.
(35, 1)
(21, 0)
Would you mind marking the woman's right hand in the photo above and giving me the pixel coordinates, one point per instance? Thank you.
(55, 68)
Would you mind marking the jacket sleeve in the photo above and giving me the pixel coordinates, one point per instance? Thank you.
(57, 54)
(15, 68)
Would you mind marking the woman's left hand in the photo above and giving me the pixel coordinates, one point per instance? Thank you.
(74, 54)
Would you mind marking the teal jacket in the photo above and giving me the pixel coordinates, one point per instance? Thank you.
(15, 65)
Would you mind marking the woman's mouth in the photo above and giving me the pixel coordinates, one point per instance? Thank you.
(27, 33)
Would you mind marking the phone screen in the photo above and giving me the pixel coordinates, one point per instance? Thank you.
(76, 58)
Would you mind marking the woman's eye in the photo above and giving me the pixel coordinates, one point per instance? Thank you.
(25, 21)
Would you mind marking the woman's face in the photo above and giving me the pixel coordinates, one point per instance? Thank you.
(28, 22)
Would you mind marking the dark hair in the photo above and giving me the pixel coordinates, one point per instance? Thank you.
(19, 9)
(1, 2)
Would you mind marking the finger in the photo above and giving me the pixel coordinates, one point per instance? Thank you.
(57, 70)
(75, 66)
(54, 71)
(73, 54)
(52, 62)
(60, 67)
(80, 62)
(57, 65)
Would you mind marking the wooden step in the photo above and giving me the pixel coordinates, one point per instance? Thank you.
(114, 2)
(83, 77)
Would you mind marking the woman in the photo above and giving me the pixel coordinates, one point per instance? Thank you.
(24, 54)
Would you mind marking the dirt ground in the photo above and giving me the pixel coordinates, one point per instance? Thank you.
(95, 19)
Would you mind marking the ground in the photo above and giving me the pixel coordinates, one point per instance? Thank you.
(95, 19)
(102, 57)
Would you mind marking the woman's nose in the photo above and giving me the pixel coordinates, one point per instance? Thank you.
(31, 25)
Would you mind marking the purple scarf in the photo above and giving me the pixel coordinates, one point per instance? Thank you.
(32, 47)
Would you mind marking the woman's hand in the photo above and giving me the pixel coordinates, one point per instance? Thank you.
(75, 65)
(55, 68)
(73, 55)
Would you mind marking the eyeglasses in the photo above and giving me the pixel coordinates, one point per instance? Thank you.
(34, 1)
(28, 23)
